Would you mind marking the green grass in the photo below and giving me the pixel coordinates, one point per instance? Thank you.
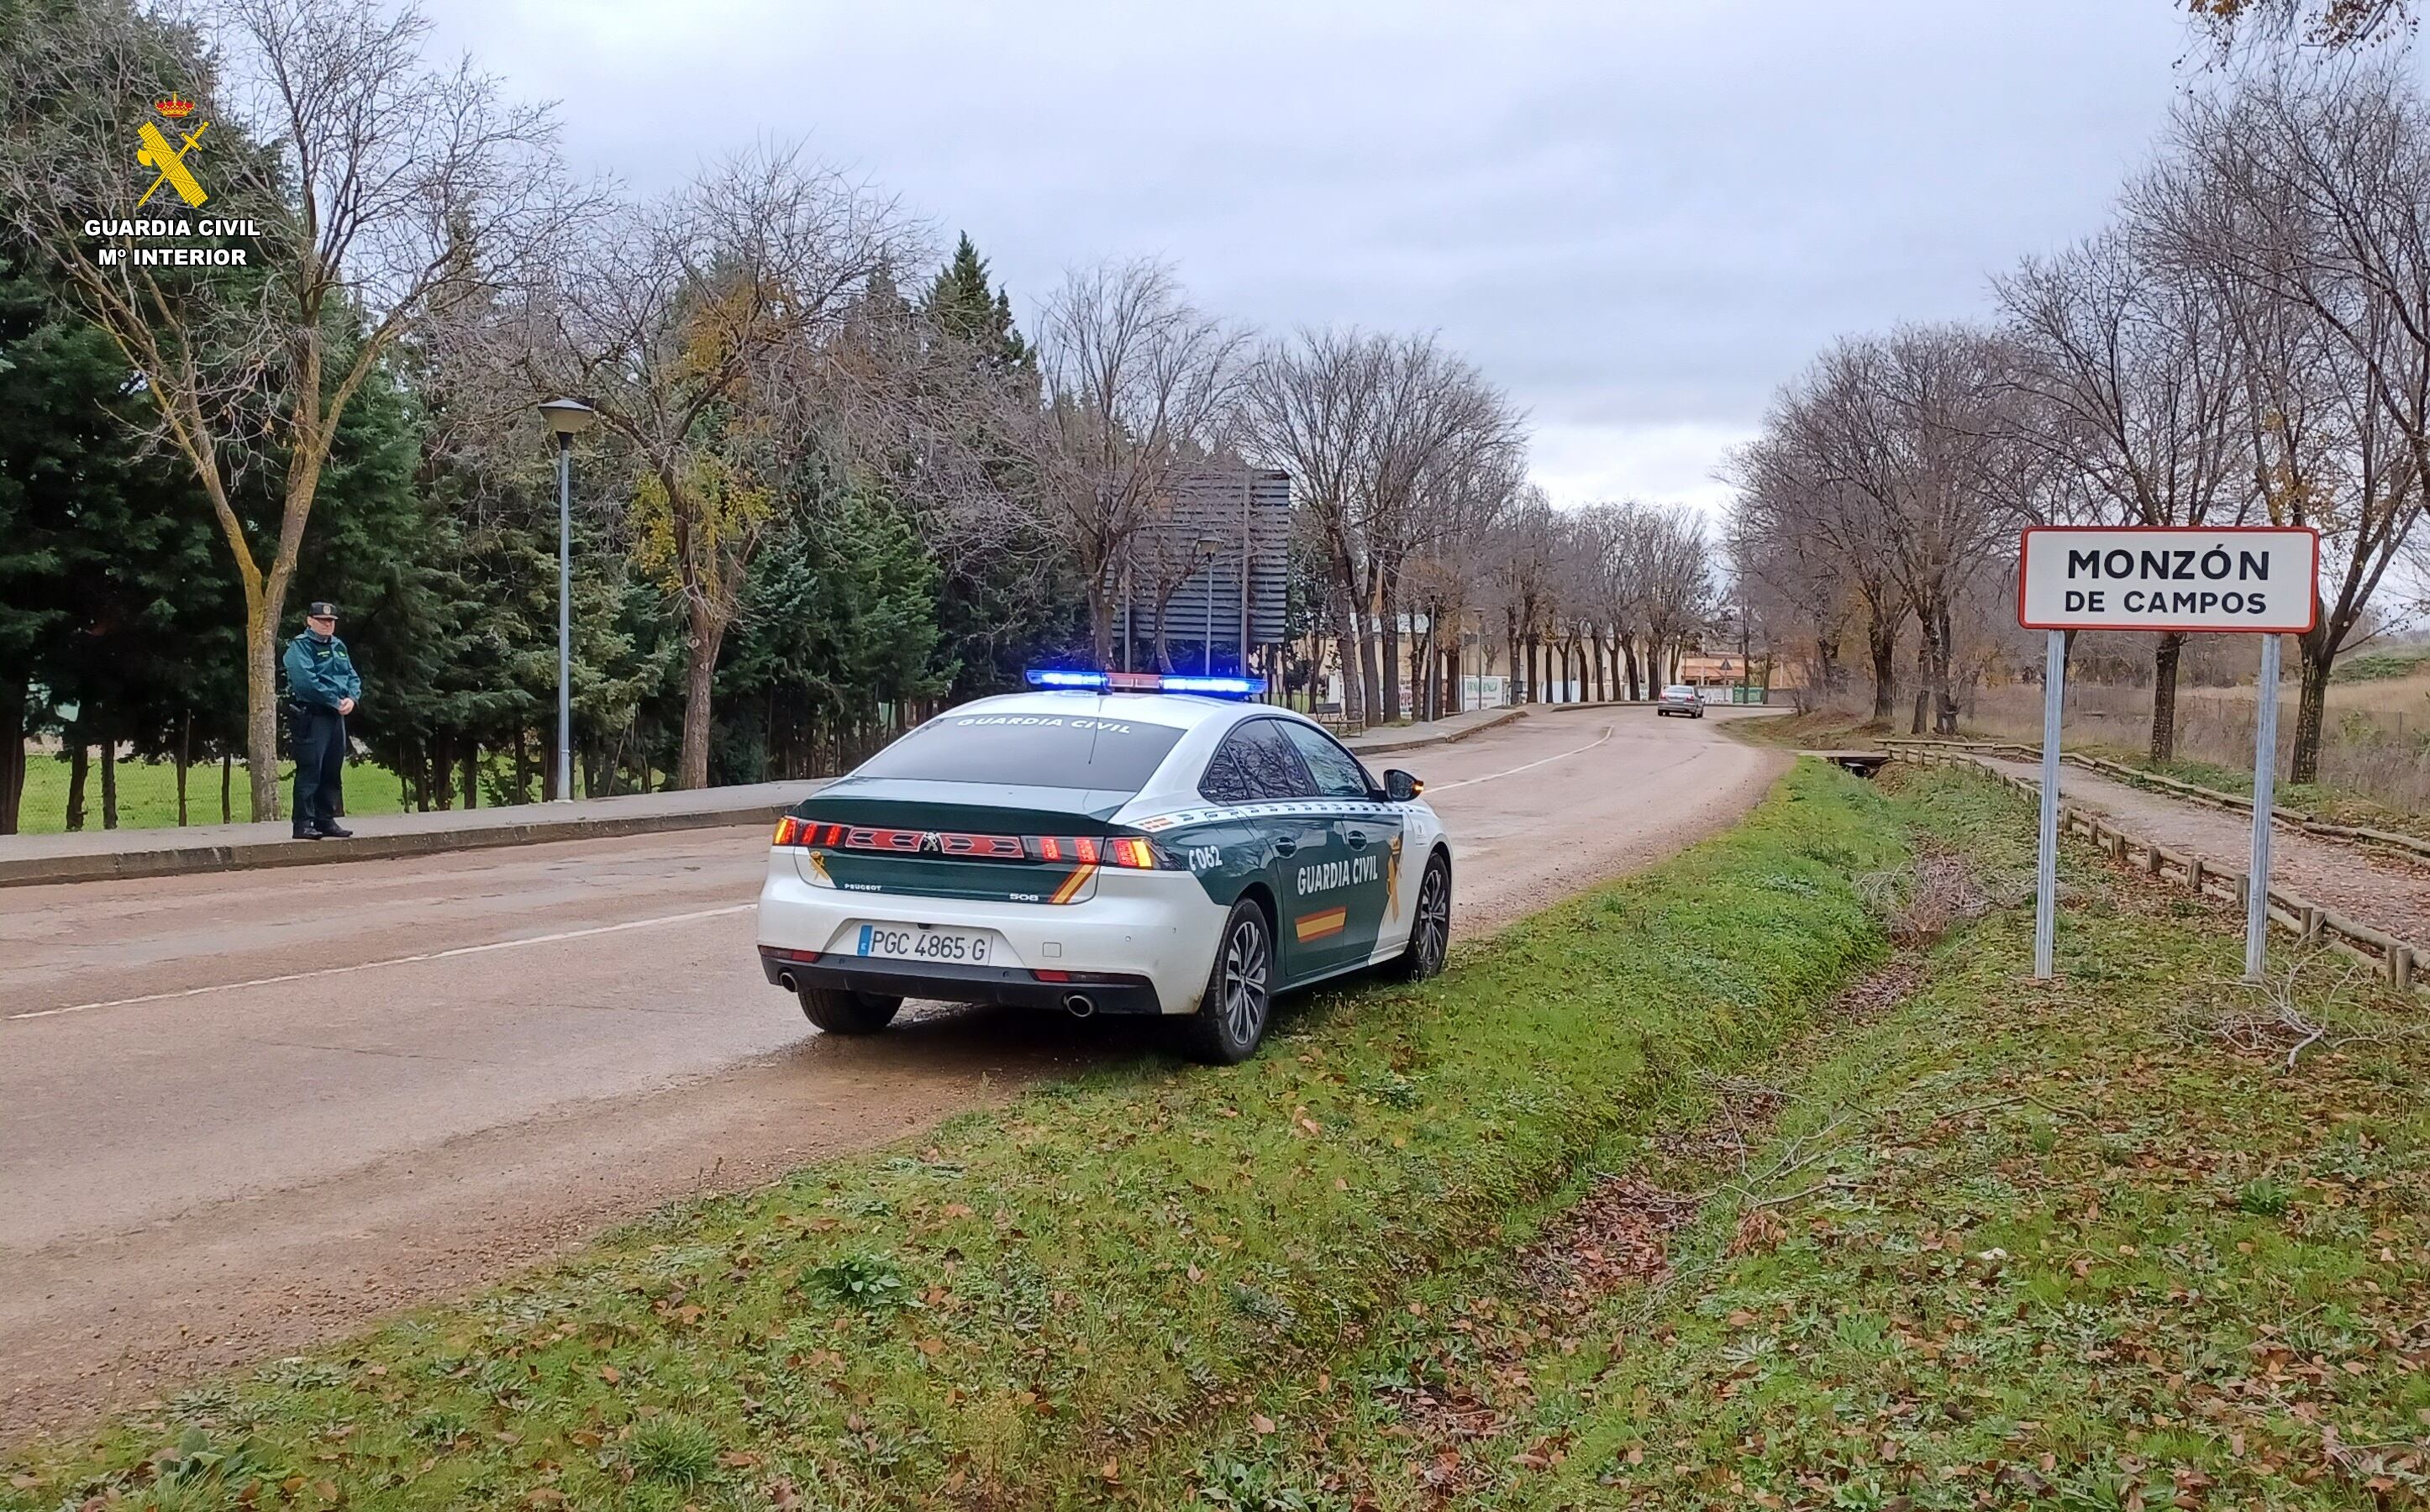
(2092, 1246)
(1032, 1299)
(2381, 666)
(147, 793)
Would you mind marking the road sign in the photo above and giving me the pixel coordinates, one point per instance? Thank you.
(2165, 578)
(2243, 579)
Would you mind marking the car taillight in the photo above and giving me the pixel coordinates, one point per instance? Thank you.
(789, 831)
(1129, 851)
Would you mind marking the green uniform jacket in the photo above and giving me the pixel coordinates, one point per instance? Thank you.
(319, 672)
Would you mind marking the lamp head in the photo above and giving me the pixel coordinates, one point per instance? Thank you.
(566, 417)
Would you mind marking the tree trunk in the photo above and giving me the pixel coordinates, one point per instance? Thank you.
(12, 755)
(79, 763)
(109, 783)
(1944, 660)
(261, 709)
(2165, 656)
(707, 634)
(184, 760)
(1628, 665)
(473, 772)
(228, 781)
(2311, 705)
(1371, 676)
(442, 770)
(1881, 642)
(1389, 595)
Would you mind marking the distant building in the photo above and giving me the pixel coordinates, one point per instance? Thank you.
(1209, 572)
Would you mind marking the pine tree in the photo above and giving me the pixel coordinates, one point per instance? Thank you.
(962, 305)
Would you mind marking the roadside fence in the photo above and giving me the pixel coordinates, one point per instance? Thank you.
(2395, 959)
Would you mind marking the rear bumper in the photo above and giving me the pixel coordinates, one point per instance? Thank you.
(943, 982)
(1151, 933)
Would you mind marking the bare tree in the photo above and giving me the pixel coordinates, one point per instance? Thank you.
(383, 191)
(696, 325)
(2328, 25)
(1912, 424)
(2305, 192)
(1140, 388)
(1791, 498)
(2131, 366)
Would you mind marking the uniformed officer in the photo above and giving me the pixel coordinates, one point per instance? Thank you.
(322, 689)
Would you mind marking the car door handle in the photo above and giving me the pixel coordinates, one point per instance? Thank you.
(1286, 847)
(1358, 838)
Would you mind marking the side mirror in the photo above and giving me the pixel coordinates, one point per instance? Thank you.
(1399, 787)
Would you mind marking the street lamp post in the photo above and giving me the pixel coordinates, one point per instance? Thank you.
(567, 419)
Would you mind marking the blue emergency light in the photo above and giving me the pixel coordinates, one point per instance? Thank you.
(1065, 678)
(1145, 682)
(1214, 687)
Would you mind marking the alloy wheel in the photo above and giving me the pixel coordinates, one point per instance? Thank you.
(1434, 920)
(1245, 970)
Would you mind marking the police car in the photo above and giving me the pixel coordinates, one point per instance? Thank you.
(1105, 844)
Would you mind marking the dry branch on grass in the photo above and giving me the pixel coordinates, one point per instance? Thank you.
(2278, 1024)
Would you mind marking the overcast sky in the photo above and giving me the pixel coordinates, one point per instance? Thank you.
(1639, 216)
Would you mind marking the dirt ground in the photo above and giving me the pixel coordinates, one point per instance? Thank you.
(242, 1113)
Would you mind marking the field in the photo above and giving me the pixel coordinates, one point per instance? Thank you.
(147, 793)
(1757, 1179)
(2375, 746)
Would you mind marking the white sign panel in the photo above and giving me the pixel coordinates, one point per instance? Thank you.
(2190, 578)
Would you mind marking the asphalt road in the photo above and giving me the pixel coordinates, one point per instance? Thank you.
(240, 1112)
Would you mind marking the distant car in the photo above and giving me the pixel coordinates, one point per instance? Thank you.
(1099, 850)
(1680, 699)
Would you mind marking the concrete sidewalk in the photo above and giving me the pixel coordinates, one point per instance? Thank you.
(98, 856)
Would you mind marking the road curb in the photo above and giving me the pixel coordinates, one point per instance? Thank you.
(255, 854)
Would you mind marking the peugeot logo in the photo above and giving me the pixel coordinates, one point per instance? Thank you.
(930, 844)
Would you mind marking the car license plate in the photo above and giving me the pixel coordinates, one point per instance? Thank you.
(907, 943)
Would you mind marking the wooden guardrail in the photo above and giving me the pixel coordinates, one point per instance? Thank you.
(2412, 846)
(2398, 960)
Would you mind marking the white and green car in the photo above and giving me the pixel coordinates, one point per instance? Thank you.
(1105, 850)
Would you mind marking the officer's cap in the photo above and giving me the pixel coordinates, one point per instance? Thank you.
(321, 609)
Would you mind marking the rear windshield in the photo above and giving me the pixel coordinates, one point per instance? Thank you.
(1028, 751)
(1678, 690)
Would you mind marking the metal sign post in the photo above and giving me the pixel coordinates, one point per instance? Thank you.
(2046, 871)
(2265, 783)
(2247, 579)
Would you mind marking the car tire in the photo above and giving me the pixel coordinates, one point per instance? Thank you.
(1239, 1002)
(1430, 931)
(841, 1011)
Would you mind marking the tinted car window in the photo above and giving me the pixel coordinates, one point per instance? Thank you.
(1256, 763)
(1336, 771)
(1072, 750)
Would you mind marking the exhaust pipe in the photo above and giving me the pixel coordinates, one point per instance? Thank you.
(1079, 1005)
(785, 980)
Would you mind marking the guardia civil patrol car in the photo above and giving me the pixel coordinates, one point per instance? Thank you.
(1105, 844)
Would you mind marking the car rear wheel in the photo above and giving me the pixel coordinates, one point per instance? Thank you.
(1430, 931)
(837, 1011)
(1232, 1012)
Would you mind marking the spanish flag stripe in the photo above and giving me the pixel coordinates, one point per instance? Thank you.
(1317, 925)
(1072, 883)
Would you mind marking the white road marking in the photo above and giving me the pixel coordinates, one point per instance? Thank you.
(397, 960)
(1446, 787)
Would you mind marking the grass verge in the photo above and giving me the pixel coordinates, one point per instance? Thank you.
(1009, 1315)
(2146, 1238)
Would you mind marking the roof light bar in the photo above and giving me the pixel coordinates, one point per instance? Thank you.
(1065, 678)
(1145, 682)
(1219, 686)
